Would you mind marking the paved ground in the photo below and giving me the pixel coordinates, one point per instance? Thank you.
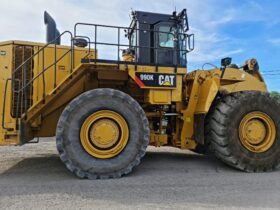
(32, 177)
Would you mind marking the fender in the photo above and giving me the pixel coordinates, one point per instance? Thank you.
(235, 80)
(205, 86)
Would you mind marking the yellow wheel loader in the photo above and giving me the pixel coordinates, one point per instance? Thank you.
(104, 112)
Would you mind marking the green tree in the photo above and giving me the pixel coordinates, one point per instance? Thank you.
(276, 95)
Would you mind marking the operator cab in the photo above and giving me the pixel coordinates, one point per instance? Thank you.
(159, 39)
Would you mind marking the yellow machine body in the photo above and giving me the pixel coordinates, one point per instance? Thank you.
(13, 54)
(190, 98)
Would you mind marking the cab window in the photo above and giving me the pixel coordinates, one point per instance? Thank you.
(133, 38)
(183, 47)
(166, 36)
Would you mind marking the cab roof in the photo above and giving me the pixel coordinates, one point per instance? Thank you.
(150, 18)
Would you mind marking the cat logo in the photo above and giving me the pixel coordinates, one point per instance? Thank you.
(166, 80)
(155, 80)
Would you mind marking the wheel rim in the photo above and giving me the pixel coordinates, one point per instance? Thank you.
(104, 134)
(257, 132)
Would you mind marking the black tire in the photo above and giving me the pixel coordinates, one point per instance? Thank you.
(73, 155)
(223, 131)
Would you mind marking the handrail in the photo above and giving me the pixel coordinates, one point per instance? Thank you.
(43, 48)
(4, 101)
(23, 88)
(4, 104)
(126, 45)
(23, 85)
(119, 27)
(43, 71)
(177, 34)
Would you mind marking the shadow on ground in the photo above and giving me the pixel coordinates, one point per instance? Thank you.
(50, 167)
(163, 178)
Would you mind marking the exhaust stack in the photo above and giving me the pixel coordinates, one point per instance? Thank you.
(51, 31)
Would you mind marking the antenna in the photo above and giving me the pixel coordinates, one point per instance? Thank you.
(131, 12)
(173, 5)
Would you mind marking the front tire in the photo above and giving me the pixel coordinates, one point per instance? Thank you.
(244, 131)
(102, 133)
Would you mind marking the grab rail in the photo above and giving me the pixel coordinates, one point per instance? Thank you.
(23, 88)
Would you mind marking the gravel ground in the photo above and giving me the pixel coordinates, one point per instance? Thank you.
(33, 177)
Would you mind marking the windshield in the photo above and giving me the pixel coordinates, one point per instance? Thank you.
(166, 38)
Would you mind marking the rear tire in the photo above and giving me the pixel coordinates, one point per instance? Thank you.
(225, 131)
(82, 160)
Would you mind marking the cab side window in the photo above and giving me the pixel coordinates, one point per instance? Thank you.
(133, 38)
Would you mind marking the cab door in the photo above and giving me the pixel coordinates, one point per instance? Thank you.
(165, 44)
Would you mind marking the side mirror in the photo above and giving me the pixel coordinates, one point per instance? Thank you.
(190, 42)
(226, 62)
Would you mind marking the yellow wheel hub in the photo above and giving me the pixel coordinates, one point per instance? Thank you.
(104, 134)
(257, 132)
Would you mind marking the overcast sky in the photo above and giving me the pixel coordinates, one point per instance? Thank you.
(239, 28)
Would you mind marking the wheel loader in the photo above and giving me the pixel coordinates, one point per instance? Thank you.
(104, 112)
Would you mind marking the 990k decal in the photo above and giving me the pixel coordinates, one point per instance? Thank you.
(155, 80)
